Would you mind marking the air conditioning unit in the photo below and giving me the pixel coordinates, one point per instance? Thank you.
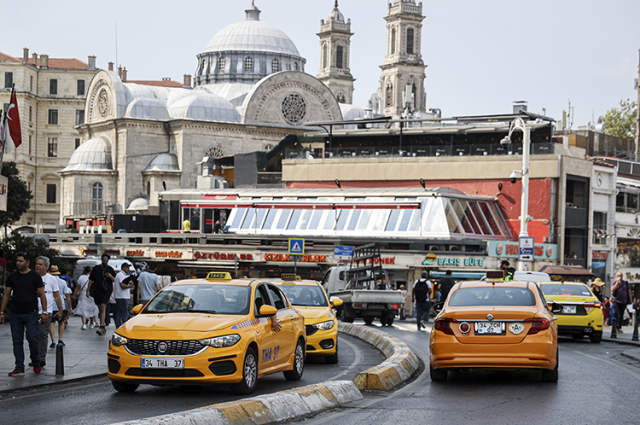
(456, 248)
(435, 248)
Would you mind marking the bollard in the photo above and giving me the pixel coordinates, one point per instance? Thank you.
(59, 360)
(636, 310)
(614, 331)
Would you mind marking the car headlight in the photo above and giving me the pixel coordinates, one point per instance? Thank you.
(118, 340)
(324, 326)
(221, 341)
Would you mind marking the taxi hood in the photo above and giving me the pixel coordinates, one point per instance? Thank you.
(178, 322)
(312, 314)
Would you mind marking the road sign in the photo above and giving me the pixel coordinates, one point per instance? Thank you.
(296, 246)
(525, 248)
(341, 252)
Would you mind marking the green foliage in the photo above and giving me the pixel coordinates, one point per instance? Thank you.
(16, 243)
(19, 197)
(621, 122)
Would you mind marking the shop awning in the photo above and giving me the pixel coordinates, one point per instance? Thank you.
(459, 275)
(571, 271)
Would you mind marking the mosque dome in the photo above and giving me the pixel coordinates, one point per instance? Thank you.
(163, 162)
(137, 204)
(92, 155)
(336, 15)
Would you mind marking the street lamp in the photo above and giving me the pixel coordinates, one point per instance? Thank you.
(518, 124)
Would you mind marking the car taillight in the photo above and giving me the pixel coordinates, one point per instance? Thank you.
(537, 325)
(593, 305)
(465, 327)
(444, 325)
(360, 305)
(394, 306)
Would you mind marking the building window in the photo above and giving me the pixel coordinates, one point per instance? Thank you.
(51, 193)
(30, 113)
(31, 83)
(79, 116)
(324, 55)
(295, 66)
(340, 97)
(410, 41)
(80, 88)
(53, 116)
(248, 64)
(221, 64)
(52, 147)
(77, 142)
(29, 144)
(599, 228)
(8, 80)
(393, 41)
(389, 95)
(53, 86)
(340, 57)
(96, 197)
(275, 65)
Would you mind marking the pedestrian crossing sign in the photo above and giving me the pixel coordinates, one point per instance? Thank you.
(296, 246)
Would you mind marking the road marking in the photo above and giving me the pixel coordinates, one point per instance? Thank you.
(356, 362)
(606, 360)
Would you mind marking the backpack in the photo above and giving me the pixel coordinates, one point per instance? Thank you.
(421, 290)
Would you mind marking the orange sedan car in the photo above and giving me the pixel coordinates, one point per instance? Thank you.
(495, 325)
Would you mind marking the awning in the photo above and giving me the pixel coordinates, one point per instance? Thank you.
(572, 271)
(459, 275)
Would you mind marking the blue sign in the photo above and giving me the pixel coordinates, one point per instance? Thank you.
(343, 252)
(526, 247)
(296, 246)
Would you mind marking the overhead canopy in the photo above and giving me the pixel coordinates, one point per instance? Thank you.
(571, 271)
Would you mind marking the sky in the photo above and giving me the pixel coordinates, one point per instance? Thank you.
(481, 56)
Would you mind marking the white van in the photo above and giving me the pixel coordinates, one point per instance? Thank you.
(532, 276)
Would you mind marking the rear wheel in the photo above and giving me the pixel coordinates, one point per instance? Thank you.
(551, 375)
(332, 358)
(298, 364)
(389, 321)
(596, 337)
(249, 373)
(368, 320)
(437, 375)
(123, 387)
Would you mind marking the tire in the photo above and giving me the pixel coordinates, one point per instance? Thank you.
(298, 363)
(332, 358)
(368, 320)
(347, 315)
(596, 337)
(437, 375)
(551, 375)
(383, 321)
(390, 321)
(249, 373)
(123, 387)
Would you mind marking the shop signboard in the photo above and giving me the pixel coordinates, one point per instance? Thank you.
(541, 251)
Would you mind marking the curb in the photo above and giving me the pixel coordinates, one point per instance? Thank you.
(289, 405)
(399, 366)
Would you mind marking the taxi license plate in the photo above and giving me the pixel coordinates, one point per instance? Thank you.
(162, 363)
(490, 328)
(569, 309)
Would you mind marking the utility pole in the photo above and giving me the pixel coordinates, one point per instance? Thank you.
(638, 112)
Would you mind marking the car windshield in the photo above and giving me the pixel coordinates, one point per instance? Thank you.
(212, 299)
(492, 296)
(559, 289)
(305, 295)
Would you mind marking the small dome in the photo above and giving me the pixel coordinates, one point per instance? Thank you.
(336, 15)
(94, 154)
(204, 106)
(351, 112)
(147, 108)
(163, 162)
(138, 203)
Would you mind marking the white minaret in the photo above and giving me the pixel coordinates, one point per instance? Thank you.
(335, 44)
(402, 79)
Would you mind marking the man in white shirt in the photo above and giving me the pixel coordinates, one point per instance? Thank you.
(52, 292)
(122, 293)
(149, 284)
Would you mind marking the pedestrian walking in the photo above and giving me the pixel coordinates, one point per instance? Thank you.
(100, 288)
(149, 284)
(122, 293)
(597, 288)
(446, 283)
(65, 295)
(621, 292)
(52, 292)
(24, 288)
(86, 307)
(420, 296)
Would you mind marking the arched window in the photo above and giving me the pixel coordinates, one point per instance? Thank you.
(221, 64)
(340, 97)
(96, 198)
(340, 57)
(324, 55)
(275, 65)
(393, 41)
(295, 66)
(389, 95)
(148, 188)
(248, 64)
(410, 41)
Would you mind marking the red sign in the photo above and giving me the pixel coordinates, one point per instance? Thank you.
(301, 258)
(599, 255)
(168, 254)
(221, 256)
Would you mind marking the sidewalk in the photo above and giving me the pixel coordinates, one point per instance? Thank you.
(85, 355)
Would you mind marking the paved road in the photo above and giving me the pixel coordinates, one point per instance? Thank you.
(93, 401)
(596, 380)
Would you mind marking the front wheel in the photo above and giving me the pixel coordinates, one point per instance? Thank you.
(596, 337)
(123, 387)
(249, 374)
(368, 320)
(437, 375)
(298, 364)
(332, 358)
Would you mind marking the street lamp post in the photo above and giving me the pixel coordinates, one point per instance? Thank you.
(519, 124)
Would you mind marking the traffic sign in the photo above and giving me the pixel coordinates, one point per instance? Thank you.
(341, 252)
(296, 246)
(526, 246)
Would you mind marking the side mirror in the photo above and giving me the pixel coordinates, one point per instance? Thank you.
(336, 302)
(556, 308)
(137, 309)
(267, 310)
(438, 307)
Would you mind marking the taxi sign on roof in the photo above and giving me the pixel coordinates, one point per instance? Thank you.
(556, 278)
(289, 277)
(495, 274)
(212, 276)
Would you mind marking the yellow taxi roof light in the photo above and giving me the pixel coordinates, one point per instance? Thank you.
(557, 278)
(495, 274)
(290, 277)
(218, 276)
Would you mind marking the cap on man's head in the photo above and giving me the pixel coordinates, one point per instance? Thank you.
(125, 265)
(425, 273)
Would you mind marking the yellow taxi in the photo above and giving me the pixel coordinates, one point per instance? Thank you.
(581, 310)
(494, 325)
(321, 323)
(216, 330)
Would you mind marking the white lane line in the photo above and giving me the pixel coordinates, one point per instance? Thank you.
(622, 367)
(356, 362)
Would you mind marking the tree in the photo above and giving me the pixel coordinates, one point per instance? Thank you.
(19, 197)
(16, 242)
(621, 122)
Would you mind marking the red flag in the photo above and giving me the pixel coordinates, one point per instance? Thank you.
(13, 117)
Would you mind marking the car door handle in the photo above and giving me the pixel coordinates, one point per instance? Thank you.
(294, 317)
